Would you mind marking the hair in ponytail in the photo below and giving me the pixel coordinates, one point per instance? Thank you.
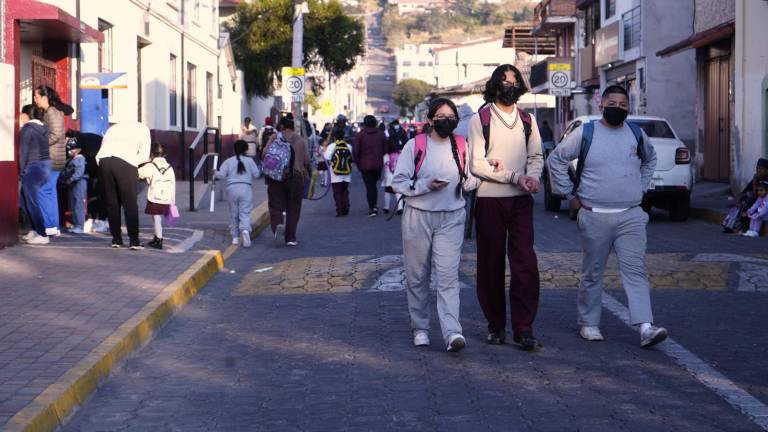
(240, 148)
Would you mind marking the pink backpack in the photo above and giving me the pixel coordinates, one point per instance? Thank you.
(420, 151)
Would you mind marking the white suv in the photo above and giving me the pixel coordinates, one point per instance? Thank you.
(672, 181)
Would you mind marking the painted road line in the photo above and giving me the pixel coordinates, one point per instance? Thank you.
(703, 372)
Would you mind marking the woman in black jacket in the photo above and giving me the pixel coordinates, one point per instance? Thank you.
(35, 168)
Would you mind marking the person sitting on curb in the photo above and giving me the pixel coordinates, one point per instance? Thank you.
(616, 173)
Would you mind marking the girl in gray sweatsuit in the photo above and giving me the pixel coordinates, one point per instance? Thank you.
(433, 225)
(239, 170)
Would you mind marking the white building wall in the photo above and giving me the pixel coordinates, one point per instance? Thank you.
(470, 62)
(751, 88)
(416, 61)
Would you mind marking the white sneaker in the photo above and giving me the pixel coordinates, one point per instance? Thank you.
(100, 226)
(420, 338)
(652, 335)
(52, 232)
(456, 343)
(279, 235)
(30, 235)
(246, 238)
(235, 241)
(88, 225)
(751, 233)
(591, 333)
(39, 240)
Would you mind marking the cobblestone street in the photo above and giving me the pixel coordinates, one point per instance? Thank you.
(317, 338)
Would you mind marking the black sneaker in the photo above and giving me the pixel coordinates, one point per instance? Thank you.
(386, 211)
(137, 246)
(373, 212)
(156, 243)
(117, 244)
(526, 341)
(496, 338)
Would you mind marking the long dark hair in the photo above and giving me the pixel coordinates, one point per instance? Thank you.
(499, 75)
(54, 99)
(434, 106)
(240, 148)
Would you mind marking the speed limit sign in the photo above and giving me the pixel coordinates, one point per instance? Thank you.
(293, 84)
(559, 78)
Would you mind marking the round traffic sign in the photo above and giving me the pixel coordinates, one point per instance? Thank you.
(559, 79)
(295, 84)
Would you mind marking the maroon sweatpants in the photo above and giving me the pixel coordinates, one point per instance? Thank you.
(505, 228)
(341, 197)
(285, 196)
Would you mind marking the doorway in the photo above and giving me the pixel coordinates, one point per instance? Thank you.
(717, 118)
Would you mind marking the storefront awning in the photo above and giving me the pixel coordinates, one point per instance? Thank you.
(42, 21)
(700, 39)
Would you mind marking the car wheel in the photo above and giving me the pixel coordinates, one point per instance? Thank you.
(678, 209)
(551, 203)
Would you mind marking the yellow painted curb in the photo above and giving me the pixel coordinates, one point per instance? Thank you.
(51, 408)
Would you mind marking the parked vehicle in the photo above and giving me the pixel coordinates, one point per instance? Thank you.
(672, 181)
(384, 108)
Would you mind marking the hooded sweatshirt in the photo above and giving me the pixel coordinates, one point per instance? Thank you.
(368, 147)
(33, 147)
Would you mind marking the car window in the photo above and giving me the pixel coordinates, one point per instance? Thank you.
(654, 128)
(570, 129)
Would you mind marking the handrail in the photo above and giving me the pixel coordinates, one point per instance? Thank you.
(192, 168)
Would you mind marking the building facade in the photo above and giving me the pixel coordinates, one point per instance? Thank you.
(416, 62)
(469, 61)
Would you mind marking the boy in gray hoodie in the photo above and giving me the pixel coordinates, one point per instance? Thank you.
(616, 174)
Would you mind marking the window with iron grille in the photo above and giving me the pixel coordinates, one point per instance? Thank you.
(610, 8)
(631, 21)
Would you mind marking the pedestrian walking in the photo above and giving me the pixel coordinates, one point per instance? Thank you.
(501, 131)
(124, 147)
(758, 213)
(239, 171)
(609, 186)
(339, 156)
(287, 168)
(49, 101)
(161, 194)
(74, 177)
(369, 146)
(431, 174)
(35, 168)
(250, 135)
(394, 149)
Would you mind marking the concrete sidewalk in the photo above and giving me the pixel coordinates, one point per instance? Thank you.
(73, 309)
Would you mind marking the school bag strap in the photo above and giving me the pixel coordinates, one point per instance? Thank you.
(420, 152)
(587, 132)
(485, 122)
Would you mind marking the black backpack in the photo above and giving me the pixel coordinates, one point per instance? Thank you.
(341, 161)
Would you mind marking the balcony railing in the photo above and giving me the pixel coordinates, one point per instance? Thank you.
(551, 15)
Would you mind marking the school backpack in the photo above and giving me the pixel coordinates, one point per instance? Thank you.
(485, 122)
(420, 152)
(587, 131)
(392, 160)
(162, 187)
(278, 159)
(341, 161)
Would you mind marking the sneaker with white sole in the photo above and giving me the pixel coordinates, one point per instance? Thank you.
(420, 338)
(652, 335)
(751, 233)
(100, 226)
(30, 235)
(77, 230)
(52, 232)
(456, 343)
(236, 240)
(591, 333)
(292, 243)
(39, 240)
(246, 238)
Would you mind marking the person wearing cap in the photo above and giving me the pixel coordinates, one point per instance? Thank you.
(75, 178)
(341, 122)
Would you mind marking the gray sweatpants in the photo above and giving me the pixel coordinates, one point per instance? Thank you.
(432, 240)
(240, 199)
(625, 233)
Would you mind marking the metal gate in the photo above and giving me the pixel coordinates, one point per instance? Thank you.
(43, 73)
(717, 119)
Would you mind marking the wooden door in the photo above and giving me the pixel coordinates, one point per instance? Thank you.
(717, 120)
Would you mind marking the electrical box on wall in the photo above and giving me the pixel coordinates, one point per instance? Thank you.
(7, 112)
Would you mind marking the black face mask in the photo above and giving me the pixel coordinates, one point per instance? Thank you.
(444, 127)
(615, 116)
(509, 95)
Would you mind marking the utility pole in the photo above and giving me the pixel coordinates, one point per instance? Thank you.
(300, 8)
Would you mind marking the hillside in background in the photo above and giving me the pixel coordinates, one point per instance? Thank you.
(465, 19)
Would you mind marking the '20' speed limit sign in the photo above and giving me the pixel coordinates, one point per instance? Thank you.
(293, 84)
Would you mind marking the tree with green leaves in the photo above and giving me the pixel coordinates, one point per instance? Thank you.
(262, 34)
(409, 92)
